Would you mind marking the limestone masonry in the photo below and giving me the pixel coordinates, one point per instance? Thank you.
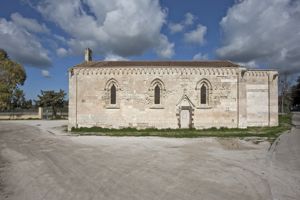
(171, 94)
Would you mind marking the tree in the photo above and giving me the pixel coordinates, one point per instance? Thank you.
(12, 75)
(296, 93)
(52, 99)
(27, 104)
(18, 99)
(285, 93)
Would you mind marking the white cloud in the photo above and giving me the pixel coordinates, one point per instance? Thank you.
(263, 32)
(61, 52)
(111, 57)
(45, 73)
(189, 19)
(251, 64)
(197, 35)
(119, 27)
(165, 49)
(21, 45)
(30, 25)
(200, 56)
(175, 28)
(179, 27)
(60, 38)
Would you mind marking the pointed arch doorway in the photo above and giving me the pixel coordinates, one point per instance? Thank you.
(185, 114)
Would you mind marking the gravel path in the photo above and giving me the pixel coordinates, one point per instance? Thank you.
(37, 164)
(285, 164)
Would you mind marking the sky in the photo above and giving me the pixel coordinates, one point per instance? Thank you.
(49, 36)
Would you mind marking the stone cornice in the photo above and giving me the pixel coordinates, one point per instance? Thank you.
(157, 71)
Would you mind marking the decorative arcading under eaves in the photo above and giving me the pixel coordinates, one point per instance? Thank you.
(159, 71)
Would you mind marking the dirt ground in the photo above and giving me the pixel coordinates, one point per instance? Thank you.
(39, 161)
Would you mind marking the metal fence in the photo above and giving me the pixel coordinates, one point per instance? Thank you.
(61, 113)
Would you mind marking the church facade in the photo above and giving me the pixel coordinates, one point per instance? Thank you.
(171, 94)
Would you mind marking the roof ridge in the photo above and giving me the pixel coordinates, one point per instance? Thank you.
(159, 63)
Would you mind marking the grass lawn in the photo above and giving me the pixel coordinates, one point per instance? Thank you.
(268, 132)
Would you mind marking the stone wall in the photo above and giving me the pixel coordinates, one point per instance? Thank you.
(22, 115)
(262, 98)
(227, 105)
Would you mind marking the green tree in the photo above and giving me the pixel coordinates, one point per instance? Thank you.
(27, 104)
(285, 93)
(52, 99)
(296, 93)
(18, 98)
(12, 75)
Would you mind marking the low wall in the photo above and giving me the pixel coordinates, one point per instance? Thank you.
(22, 115)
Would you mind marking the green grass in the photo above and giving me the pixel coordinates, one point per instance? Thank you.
(268, 132)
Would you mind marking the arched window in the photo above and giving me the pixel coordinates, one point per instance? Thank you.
(113, 94)
(204, 88)
(157, 92)
(157, 95)
(203, 95)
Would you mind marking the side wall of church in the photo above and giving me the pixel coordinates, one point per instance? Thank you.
(232, 100)
(135, 106)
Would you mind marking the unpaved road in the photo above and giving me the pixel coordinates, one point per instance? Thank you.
(36, 164)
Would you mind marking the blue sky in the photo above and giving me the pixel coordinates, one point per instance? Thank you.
(49, 36)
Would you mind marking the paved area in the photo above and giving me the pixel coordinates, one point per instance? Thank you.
(285, 164)
(38, 161)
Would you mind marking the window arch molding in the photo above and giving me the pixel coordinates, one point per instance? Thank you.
(204, 91)
(203, 81)
(156, 82)
(110, 83)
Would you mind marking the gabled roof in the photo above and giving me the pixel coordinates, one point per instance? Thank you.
(156, 64)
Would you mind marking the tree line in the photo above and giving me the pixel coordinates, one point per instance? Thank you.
(12, 76)
(289, 94)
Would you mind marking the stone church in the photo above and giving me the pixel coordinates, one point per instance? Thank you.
(171, 94)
